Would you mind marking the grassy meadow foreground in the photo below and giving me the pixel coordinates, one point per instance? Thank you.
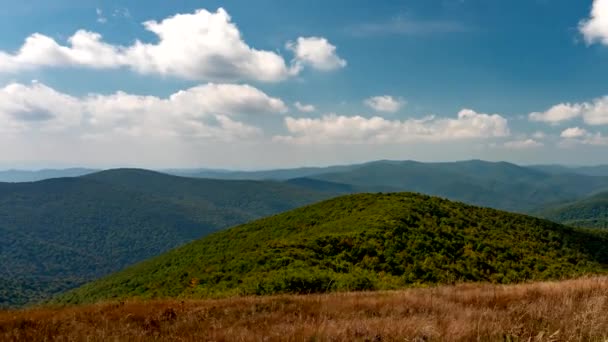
(571, 310)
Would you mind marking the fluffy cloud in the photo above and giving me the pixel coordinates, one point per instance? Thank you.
(384, 103)
(593, 113)
(557, 113)
(198, 46)
(339, 129)
(316, 52)
(573, 132)
(206, 111)
(86, 49)
(596, 112)
(595, 28)
(203, 45)
(304, 108)
(577, 135)
(594, 139)
(523, 144)
(36, 106)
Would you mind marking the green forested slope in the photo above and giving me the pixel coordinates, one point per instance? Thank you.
(59, 233)
(355, 242)
(590, 212)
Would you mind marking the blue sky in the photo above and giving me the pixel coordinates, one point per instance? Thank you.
(215, 83)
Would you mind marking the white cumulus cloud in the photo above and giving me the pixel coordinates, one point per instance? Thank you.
(577, 135)
(595, 28)
(340, 129)
(594, 112)
(384, 103)
(523, 144)
(206, 111)
(304, 108)
(573, 132)
(557, 113)
(36, 105)
(197, 46)
(316, 52)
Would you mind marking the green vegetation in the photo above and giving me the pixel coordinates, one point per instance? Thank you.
(60, 233)
(591, 212)
(361, 242)
(498, 185)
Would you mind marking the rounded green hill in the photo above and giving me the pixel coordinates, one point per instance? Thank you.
(361, 242)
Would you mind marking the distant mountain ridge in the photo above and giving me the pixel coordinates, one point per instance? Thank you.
(283, 174)
(597, 170)
(499, 185)
(273, 174)
(14, 176)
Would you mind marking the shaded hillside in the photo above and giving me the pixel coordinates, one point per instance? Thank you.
(322, 185)
(498, 185)
(589, 212)
(361, 242)
(598, 170)
(252, 199)
(59, 233)
(278, 174)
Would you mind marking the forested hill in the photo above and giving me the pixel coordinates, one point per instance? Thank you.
(361, 242)
(59, 233)
(588, 212)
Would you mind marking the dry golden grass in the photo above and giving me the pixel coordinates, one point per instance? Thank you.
(572, 310)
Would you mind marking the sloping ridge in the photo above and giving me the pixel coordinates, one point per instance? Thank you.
(15, 176)
(260, 197)
(361, 242)
(591, 212)
(60, 233)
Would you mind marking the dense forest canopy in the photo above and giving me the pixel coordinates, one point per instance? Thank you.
(59, 233)
(361, 242)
